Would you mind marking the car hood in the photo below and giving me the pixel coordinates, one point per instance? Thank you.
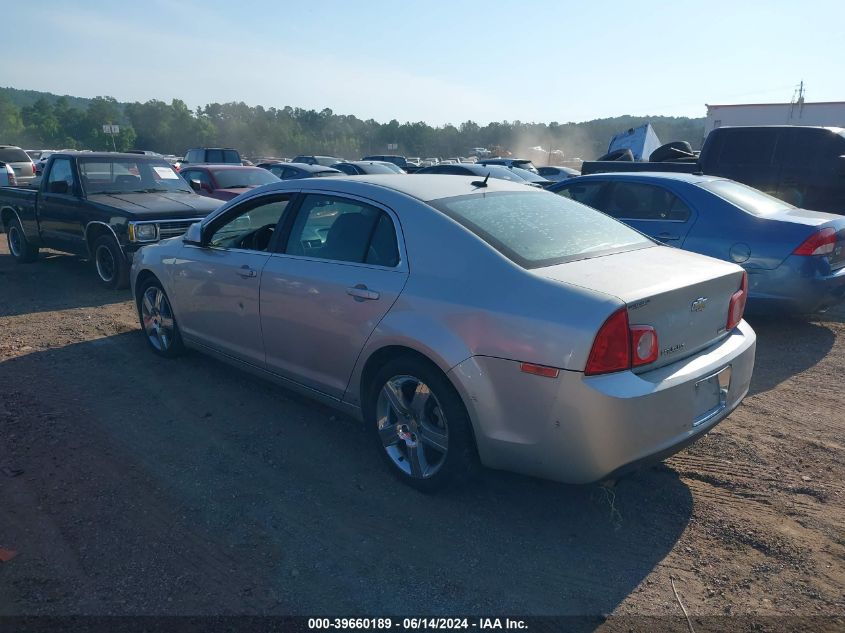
(168, 205)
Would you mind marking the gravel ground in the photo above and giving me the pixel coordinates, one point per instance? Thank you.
(134, 485)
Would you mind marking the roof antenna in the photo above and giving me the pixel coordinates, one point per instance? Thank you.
(481, 183)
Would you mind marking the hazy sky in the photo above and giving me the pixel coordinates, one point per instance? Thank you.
(434, 61)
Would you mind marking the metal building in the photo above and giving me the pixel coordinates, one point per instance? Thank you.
(829, 113)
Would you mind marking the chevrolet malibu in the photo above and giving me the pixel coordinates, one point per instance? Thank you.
(460, 319)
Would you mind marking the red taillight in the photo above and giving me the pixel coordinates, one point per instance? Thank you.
(612, 347)
(819, 243)
(33, 169)
(737, 305)
(643, 345)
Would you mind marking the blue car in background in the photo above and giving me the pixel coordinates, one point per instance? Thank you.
(795, 258)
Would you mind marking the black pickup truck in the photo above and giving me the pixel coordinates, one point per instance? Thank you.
(103, 206)
(803, 165)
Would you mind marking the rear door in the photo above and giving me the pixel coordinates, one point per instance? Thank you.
(808, 163)
(651, 209)
(341, 269)
(218, 284)
(746, 155)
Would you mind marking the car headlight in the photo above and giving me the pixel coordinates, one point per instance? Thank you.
(143, 232)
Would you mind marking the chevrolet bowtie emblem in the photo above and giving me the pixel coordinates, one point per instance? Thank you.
(699, 304)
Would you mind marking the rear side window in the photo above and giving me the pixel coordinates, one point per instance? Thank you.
(536, 229)
(639, 201)
(751, 146)
(222, 156)
(13, 155)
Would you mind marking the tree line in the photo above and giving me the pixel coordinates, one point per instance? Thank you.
(46, 121)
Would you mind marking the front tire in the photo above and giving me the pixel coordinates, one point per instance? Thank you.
(19, 246)
(158, 321)
(419, 424)
(110, 264)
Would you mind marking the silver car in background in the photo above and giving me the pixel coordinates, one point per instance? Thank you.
(460, 319)
(20, 162)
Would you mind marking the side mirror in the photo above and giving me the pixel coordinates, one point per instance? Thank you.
(196, 185)
(59, 186)
(193, 236)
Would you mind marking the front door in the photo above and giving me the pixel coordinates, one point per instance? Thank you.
(218, 283)
(324, 293)
(60, 208)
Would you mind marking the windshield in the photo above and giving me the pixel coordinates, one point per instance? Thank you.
(126, 175)
(746, 198)
(536, 229)
(241, 178)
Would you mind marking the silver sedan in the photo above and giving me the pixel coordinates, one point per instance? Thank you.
(462, 320)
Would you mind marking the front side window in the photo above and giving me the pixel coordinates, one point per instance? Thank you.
(536, 229)
(589, 193)
(339, 229)
(251, 228)
(61, 171)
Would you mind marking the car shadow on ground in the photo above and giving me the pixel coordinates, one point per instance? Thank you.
(188, 486)
(62, 281)
(787, 346)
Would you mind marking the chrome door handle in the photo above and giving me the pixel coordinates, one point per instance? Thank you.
(246, 272)
(362, 293)
(666, 236)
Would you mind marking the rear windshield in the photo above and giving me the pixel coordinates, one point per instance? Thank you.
(125, 175)
(536, 229)
(13, 155)
(746, 198)
(246, 177)
(222, 156)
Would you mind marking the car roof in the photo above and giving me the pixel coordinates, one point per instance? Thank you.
(309, 167)
(647, 175)
(219, 167)
(425, 187)
(108, 155)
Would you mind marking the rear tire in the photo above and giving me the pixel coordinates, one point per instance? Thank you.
(109, 263)
(20, 248)
(426, 441)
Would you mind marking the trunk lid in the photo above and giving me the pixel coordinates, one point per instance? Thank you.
(684, 296)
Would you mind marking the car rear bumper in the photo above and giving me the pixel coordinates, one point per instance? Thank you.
(800, 285)
(581, 429)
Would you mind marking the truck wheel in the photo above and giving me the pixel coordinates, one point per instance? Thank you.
(110, 264)
(19, 246)
(419, 424)
(158, 321)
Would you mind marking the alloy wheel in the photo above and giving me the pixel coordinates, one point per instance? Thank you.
(412, 426)
(157, 317)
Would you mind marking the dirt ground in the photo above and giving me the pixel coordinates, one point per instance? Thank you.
(135, 485)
